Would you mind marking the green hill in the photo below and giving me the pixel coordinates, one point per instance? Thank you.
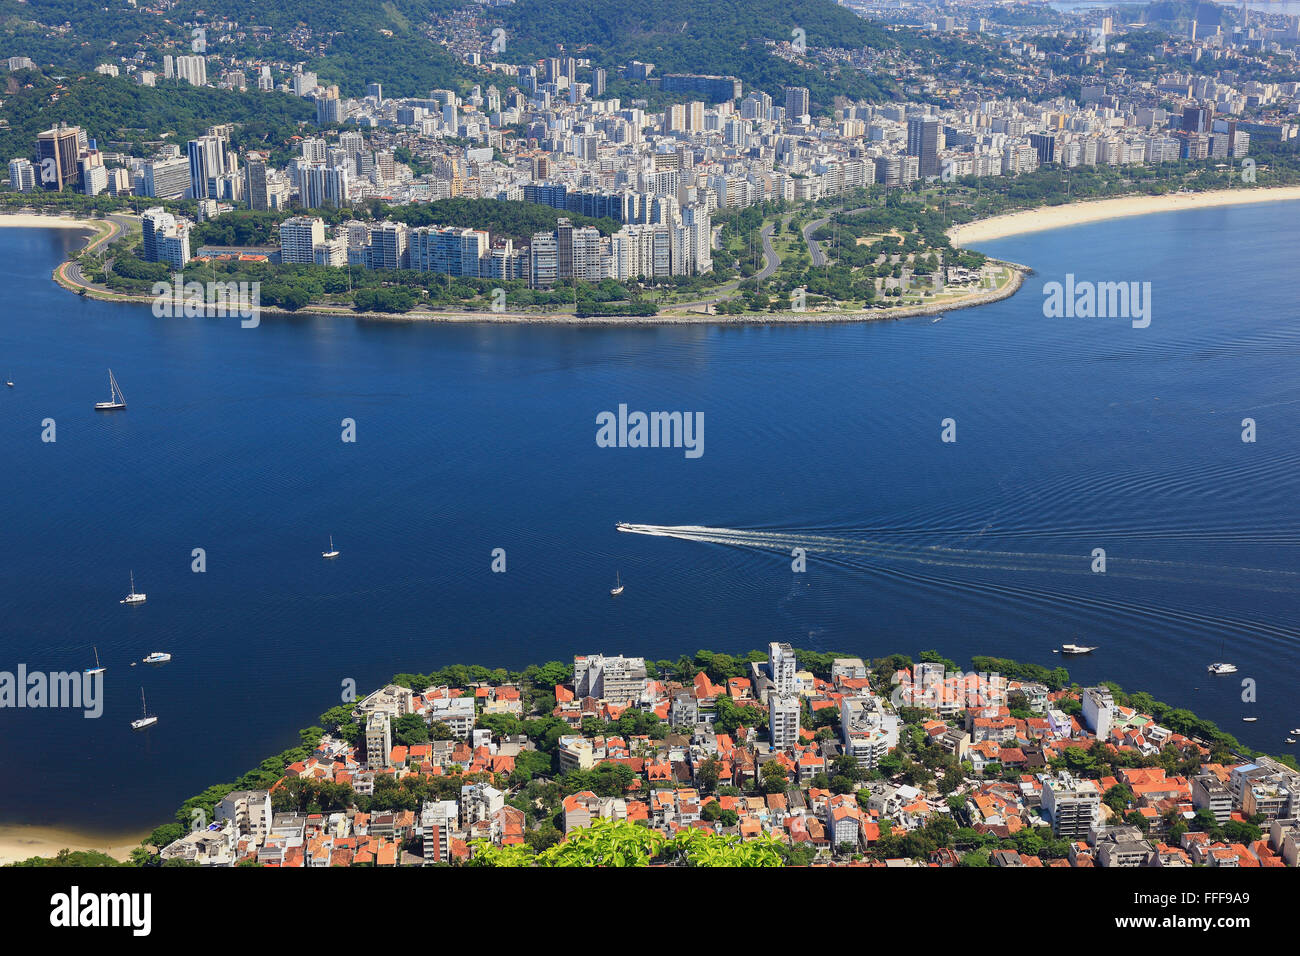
(728, 37)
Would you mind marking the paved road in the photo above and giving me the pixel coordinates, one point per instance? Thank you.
(815, 248)
(71, 271)
(771, 262)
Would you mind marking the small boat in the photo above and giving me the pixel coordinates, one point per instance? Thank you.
(146, 719)
(1296, 731)
(157, 657)
(1290, 740)
(116, 399)
(97, 669)
(133, 597)
(617, 589)
(1249, 720)
(1076, 649)
(331, 553)
(1219, 667)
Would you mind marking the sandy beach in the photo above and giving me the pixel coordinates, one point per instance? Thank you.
(1076, 214)
(27, 220)
(19, 842)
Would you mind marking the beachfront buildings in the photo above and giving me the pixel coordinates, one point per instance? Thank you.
(619, 680)
(299, 237)
(166, 238)
(745, 761)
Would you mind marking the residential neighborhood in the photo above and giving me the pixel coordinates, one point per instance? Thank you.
(835, 760)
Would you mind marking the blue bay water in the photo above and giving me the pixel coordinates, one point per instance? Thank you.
(1073, 434)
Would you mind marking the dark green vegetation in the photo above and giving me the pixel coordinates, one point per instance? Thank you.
(703, 36)
(125, 117)
(352, 42)
(506, 220)
(65, 857)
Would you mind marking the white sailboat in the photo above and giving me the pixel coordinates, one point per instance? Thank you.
(331, 553)
(133, 597)
(617, 589)
(116, 399)
(146, 719)
(9, 382)
(98, 668)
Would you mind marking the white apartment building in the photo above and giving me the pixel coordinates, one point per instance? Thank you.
(783, 721)
(619, 680)
(299, 238)
(379, 739)
(1072, 806)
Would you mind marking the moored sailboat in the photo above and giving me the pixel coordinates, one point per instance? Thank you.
(133, 597)
(116, 399)
(146, 719)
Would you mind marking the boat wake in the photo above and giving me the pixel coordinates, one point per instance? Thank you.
(918, 564)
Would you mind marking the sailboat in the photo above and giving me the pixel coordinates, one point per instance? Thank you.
(146, 719)
(133, 597)
(116, 399)
(617, 589)
(98, 668)
(1218, 667)
(331, 553)
(9, 382)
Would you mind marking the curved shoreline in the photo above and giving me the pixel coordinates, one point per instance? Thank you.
(1044, 218)
(21, 841)
(1039, 219)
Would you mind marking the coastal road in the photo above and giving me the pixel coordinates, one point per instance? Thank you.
(771, 262)
(814, 247)
(69, 274)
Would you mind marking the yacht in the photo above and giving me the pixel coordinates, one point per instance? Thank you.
(157, 657)
(1249, 720)
(98, 668)
(116, 399)
(1218, 667)
(146, 719)
(1290, 740)
(1296, 731)
(617, 589)
(1076, 649)
(331, 553)
(133, 597)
